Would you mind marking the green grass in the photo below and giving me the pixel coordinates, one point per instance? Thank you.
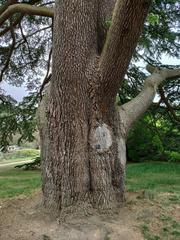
(151, 177)
(16, 181)
(160, 177)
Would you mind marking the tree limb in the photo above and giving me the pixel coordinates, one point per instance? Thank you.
(18, 19)
(132, 110)
(6, 5)
(168, 105)
(122, 37)
(25, 9)
(166, 73)
(105, 11)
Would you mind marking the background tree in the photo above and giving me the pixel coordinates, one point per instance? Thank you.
(84, 108)
(31, 52)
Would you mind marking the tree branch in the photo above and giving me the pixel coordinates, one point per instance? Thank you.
(6, 5)
(168, 105)
(25, 9)
(18, 19)
(166, 73)
(105, 11)
(132, 110)
(127, 22)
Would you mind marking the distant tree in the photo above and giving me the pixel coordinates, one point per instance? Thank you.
(84, 134)
(17, 119)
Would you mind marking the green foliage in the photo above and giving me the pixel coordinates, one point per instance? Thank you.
(153, 18)
(154, 137)
(173, 156)
(144, 143)
(17, 118)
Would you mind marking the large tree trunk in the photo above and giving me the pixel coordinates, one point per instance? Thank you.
(83, 138)
(85, 144)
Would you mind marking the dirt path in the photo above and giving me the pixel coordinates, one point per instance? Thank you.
(12, 164)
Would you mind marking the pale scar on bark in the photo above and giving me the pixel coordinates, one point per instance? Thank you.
(101, 138)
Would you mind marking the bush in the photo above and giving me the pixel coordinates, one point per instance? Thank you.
(143, 143)
(173, 156)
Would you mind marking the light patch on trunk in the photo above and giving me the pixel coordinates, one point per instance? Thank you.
(122, 151)
(101, 138)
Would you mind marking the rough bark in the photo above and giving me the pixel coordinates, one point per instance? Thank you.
(127, 23)
(86, 146)
(105, 11)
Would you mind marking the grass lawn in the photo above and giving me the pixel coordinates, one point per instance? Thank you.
(14, 182)
(160, 198)
(160, 177)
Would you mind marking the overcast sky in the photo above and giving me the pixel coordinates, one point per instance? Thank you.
(19, 92)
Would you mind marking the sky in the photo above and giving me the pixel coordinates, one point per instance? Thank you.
(19, 92)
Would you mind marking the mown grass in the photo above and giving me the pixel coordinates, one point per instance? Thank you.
(160, 177)
(16, 181)
(151, 177)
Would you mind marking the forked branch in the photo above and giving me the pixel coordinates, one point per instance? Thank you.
(122, 37)
(132, 110)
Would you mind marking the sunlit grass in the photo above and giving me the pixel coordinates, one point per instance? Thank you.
(160, 177)
(16, 181)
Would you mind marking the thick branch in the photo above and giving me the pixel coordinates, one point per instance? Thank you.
(168, 105)
(127, 22)
(131, 111)
(105, 11)
(166, 73)
(18, 19)
(25, 9)
(6, 5)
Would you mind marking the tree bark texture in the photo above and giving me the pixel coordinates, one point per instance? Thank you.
(85, 134)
